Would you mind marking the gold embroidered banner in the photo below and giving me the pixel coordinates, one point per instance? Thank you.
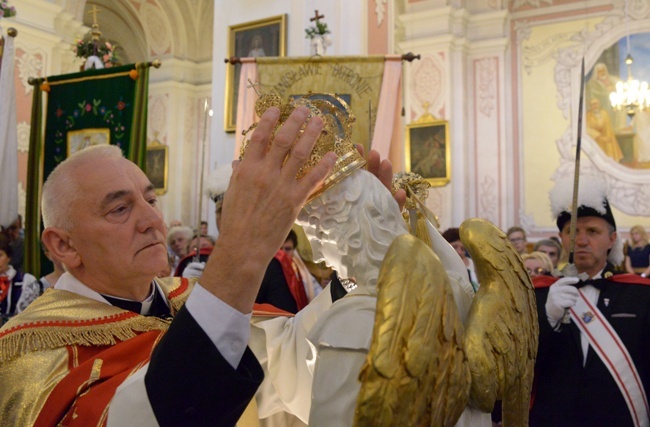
(356, 79)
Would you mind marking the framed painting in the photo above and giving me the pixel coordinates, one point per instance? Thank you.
(264, 37)
(80, 139)
(157, 168)
(428, 151)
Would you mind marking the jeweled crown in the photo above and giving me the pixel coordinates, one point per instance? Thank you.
(336, 135)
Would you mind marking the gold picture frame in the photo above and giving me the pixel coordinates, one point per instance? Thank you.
(264, 37)
(427, 150)
(157, 166)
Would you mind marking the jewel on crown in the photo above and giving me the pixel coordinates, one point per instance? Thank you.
(336, 135)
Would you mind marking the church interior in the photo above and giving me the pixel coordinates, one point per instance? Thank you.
(500, 79)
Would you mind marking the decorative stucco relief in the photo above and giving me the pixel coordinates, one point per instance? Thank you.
(638, 8)
(522, 31)
(494, 4)
(488, 199)
(156, 27)
(632, 198)
(427, 79)
(516, 4)
(526, 221)
(536, 55)
(191, 125)
(157, 116)
(29, 64)
(486, 72)
(23, 137)
(627, 190)
(380, 10)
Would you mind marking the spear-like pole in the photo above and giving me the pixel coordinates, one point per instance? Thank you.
(200, 212)
(570, 269)
(576, 173)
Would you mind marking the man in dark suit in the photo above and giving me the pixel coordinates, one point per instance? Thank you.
(109, 345)
(594, 369)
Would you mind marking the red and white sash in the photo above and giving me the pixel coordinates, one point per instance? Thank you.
(608, 346)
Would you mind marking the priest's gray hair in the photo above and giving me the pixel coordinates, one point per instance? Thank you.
(361, 217)
(60, 189)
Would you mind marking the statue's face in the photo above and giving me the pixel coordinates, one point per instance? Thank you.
(324, 248)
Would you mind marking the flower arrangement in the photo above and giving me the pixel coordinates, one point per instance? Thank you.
(6, 11)
(320, 29)
(85, 48)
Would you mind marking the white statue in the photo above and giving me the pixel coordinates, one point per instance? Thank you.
(319, 44)
(93, 62)
(351, 226)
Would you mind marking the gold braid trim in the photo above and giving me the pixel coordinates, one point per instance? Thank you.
(43, 336)
(59, 318)
(177, 290)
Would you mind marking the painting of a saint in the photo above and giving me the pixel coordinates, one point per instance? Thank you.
(157, 168)
(599, 127)
(265, 37)
(631, 133)
(428, 152)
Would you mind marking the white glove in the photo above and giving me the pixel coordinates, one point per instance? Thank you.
(194, 269)
(561, 295)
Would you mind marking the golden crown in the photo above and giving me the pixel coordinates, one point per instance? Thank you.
(336, 135)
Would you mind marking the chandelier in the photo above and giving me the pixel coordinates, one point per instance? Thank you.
(631, 95)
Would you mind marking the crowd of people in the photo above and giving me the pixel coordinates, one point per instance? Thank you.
(175, 352)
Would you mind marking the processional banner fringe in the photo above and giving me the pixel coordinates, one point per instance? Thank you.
(106, 106)
(356, 79)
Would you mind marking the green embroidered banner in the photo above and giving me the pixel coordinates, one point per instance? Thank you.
(107, 106)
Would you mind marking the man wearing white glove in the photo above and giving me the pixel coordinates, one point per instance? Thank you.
(562, 295)
(592, 367)
(194, 270)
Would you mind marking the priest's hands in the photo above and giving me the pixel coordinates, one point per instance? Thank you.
(262, 202)
(383, 170)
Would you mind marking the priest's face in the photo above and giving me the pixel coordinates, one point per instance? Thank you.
(117, 228)
(594, 239)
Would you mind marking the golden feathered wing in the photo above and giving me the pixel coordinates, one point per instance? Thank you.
(416, 372)
(422, 368)
(501, 330)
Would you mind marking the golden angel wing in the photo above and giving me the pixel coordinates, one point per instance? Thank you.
(501, 330)
(416, 371)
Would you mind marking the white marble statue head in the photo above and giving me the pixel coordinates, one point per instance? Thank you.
(351, 225)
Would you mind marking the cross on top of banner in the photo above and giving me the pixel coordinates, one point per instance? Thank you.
(94, 11)
(316, 17)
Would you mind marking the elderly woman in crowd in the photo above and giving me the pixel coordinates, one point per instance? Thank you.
(178, 241)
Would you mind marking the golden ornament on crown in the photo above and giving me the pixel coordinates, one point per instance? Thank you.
(336, 136)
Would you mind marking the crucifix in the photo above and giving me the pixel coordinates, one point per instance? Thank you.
(94, 11)
(316, 17)
(254, 86)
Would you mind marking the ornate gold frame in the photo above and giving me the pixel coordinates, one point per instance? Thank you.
(416, 132)
(152, 149)
(230, 107)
